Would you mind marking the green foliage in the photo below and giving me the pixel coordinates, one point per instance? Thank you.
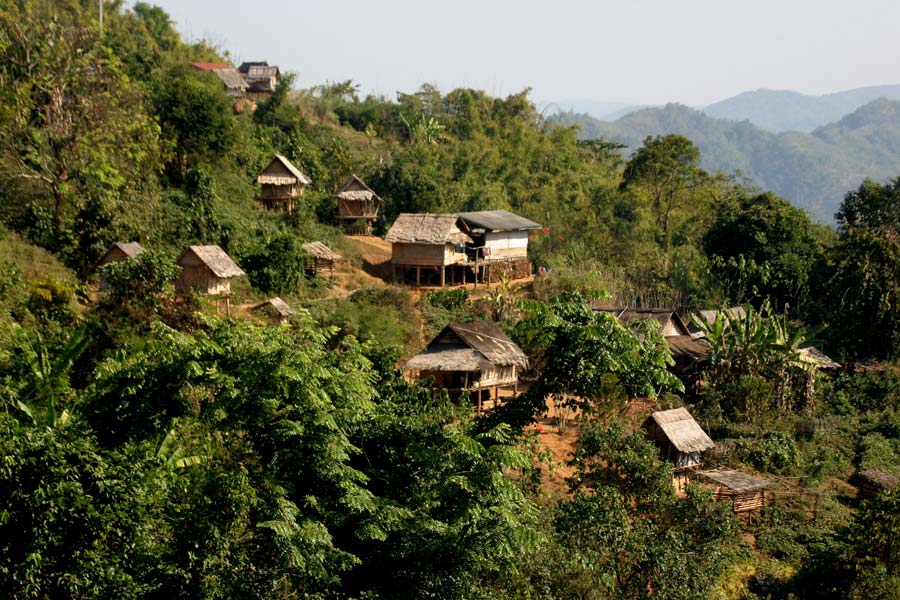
(145, 280)
(278, 267)
(776, 453)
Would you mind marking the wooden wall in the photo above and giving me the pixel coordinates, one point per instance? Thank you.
(425, 254)
(507, 244)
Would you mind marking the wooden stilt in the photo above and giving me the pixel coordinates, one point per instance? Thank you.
(443, 274)
(479, 401)
(418, 276)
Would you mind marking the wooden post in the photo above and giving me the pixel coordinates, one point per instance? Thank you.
(443, 274)
(496, 395)
(394, 271)
(479, 401)
(418, 276)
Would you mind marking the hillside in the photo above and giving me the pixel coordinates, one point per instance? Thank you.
(785, 110)
(812, 170)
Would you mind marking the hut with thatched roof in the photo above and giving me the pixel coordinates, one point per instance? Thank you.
(428, 244)
(357, 207)
(745, 492)
(206, 270)
(282, 183)
(118, 252)
(670, 324)
(499, 243)
(872, 482)
(320, 259)
(680, 439)
(277, 310)
(260, 77)
(478, 358)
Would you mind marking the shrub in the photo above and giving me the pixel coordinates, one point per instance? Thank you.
(777, 452)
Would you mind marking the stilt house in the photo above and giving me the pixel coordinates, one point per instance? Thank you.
(872, 482)
(745, 492)
(233, 81)
(430, 245)
(282, 183)
(470, 357)
(499, 242)
(680, 440)
(320, 259)
(357, 206)
(261, 78)
(120, 251)
(206, 270)
(685, 349)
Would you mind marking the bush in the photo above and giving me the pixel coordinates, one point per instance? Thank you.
(777, 452)
(279, 267)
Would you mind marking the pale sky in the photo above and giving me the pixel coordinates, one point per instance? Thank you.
(638, 51)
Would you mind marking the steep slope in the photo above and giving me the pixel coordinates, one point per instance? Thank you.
(785, 110)
(813, 171)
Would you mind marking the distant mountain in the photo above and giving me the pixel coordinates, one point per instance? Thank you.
(783, 110)
(599, 109)
(812, 170)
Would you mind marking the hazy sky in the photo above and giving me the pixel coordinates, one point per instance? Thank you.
(640, 51)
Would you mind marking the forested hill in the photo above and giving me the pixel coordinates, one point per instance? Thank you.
(812, 170)
(786, 110)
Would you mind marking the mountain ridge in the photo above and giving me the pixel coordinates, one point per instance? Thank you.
(812, 170)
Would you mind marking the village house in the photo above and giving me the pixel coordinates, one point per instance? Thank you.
(872, 482)
(430, 245)
(282, 183)
(234, 83)
(260, 78)
(276, 310)
(320, 259)
(118, 252)
(357, 206)
(478, 358)
(499, 243)
(680, 439)
(206, 270)
(746, 492)
(686, 351)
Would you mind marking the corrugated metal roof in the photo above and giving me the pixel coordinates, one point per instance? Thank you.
(426, 228)
(209, 66)
(736, 480)
(216, 259)
(497, 220)
(681, 430)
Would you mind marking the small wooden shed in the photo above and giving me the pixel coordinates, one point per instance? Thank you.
(470, 357)
(679, 437)
(429, 244)
(320, 259)
(872, 482)
(118, 252)
(277, 310)
(745, 492)
(282, 183)
(206, 270)
(357, 207)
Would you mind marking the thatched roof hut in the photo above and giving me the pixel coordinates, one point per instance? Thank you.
(206, 270)
(432, 241)
(745, 492)
(709, 316)
(357, 206)
(321, 259)
(261, 77)
(282, 183)
(276, 309)
(679, 436)
(118, 252)
(472, 357)
(872, 482)
(817, 358)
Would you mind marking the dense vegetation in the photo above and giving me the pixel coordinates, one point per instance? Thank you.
(812, 170)
(154, 448)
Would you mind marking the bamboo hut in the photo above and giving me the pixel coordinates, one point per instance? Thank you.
(277, 310)
(478, 358)
(233, 81)
(499, 243)
(118, 252)
(872, 482)
(430, 245)
(670, 324)
(357, 206)
(282, 183)
(745, 492)
(680, 439)
(206, 270)
(320, 259)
